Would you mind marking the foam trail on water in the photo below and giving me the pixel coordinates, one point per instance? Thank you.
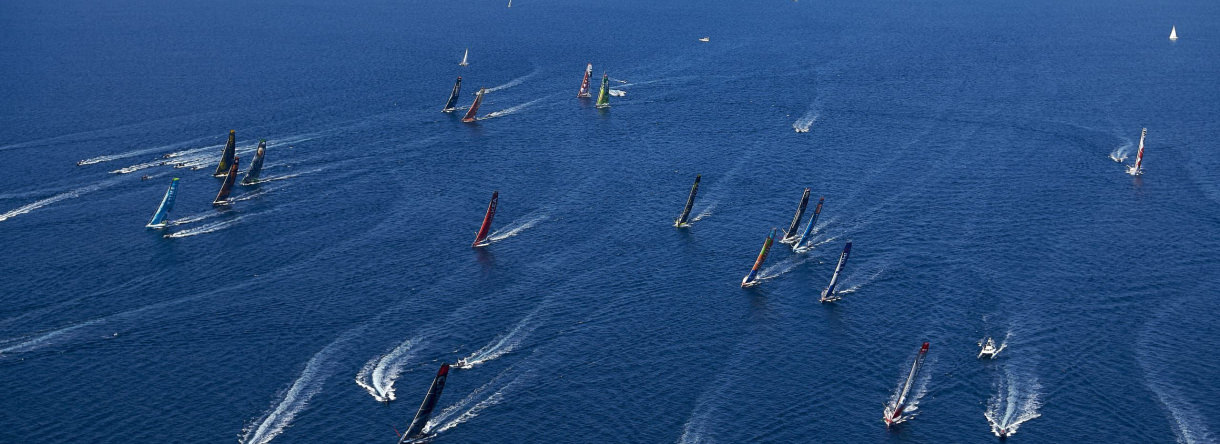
(780, 268)
(812, 244)
(511, 110)
(134, 153)
(207, 228)
(289, 176)
(703, 213)
(501, 345)
(513, 82)
(852, 284)
(378, 375)
(445, 420)
(56, 198)
(516, 227)
(273, 422)
(802, 124)
(194, 218)
(1120, 154)
(1015, 403)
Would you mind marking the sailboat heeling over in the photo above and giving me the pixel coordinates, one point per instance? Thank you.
(464, 55)
(226, 156)
(451, 104)
(690, 202)
(474, 107)
(159, 219)
(828, 294)
(416, 430)
(256, 166)
(817, 211)
(762, 257)
(895, 413)
(603, 95)
(1139, 155)
(790, 234)
(584, 84)
(228, 184)
(491, 213)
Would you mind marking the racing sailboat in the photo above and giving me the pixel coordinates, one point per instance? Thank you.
(790, 234)
(464, 55)
(474, 107)
(752, 278)
(1173, 33)
(1138, 168)
(603, 95)
(828, 294)
(451, 104)
(227, 185)
(160, 219)
(415, 432)
(256, 166)
(893, 411)
(584, 84)
(226, 156)
(817, 211)
(480, 238)
(690, 202)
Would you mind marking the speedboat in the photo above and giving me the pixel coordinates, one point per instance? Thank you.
(989, 349)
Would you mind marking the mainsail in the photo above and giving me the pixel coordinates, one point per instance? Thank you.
(828, 294)
(159, 219)
(752, 278)
(790, 235)
(603, 96)
(481, 236)
(464, 55)
(817, 211)
(474, 107)
(416, 430)
(226, 156)
(1139, 155)
(893, 413)
(1173, 33)
(690, 202)
(584, 84)
(256, 166)
(227, 185)
(453, 97)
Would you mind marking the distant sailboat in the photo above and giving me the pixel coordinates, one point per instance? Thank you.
(510, 3)
(790, 234)
(603, 96)
(893, 412)
(474, 107)
(227, 185)
(690, 202)
(453, 97)
(160, 219)
(584, 84)
(464, 55)
(1138, 168)
(705, 39)
(226, 156)
(817, 211)
(828, 294)
(1173, 33)
(480, 238)
(415, 432)
(256, 166)
(752, 278)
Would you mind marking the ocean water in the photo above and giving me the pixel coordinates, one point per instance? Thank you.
(962, 146)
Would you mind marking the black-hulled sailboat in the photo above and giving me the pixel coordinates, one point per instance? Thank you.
(227, 186)
(690, 202)
(790, 235)
(256, 166)
(828, 294)
(226, 156)
(474, 107)
(415, 432)
(451, 104)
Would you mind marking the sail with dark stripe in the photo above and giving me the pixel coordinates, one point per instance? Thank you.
(160, 218)
(828, 294)
(416, 430)
(453, 97)
(813, 221)
(690, 202)
(226, 156)
(603, 95)
(893, 412)
(481, 237)
(790, 234)
(227, 186)
(256, 166)
(752, 278)
(584, 84)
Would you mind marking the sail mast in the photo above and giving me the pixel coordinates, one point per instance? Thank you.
(690, 202)
(790, 234)
(817, 211)
(256, 166)
(828, 294)
(416, 429)
(584, 83)
(226, 156)
(481, 236)
(227, 185)
(906, 388)
(603, 96)
(1139, 155)
(160, 218)
(751, 278)
(1173, 33)
(451, 104)
(474, 107)
(464, 55)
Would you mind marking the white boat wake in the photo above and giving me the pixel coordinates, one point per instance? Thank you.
(912, 404)
(806, 121)
(208, 228)
(780, 268)
(378, 375)
(815, 243)
(1015, 403)
(513, 82)
(853, 285)
(515, 227)
(617, 93)
(508, 111)
(58, 197)
(293, 400)
(706, 212)
(446, 419)
(501, 345)
(139, 152)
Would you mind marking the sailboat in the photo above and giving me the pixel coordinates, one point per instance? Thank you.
(480, 238)
(451, 104)
(464, 55)
(510, 3)
(227, 185)
(1173, 33)
(226, 156)
(752, 278)
(160, 219)
(893, 412)
(690, 202)
(1138, 168)
(415, 432)
(474, 107)
(584, 84)
(790, 234)
(603, 96)
(828, 294)
(817, 211)
(256, 166)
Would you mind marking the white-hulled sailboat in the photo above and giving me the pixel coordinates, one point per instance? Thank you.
(464, 55)
(1173, 33)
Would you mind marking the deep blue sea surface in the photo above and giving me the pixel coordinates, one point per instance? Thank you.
(964, 147)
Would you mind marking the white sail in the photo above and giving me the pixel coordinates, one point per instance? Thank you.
(464, 55)
(1173, 33)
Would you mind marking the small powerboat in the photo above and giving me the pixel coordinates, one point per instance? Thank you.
(989, 349)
